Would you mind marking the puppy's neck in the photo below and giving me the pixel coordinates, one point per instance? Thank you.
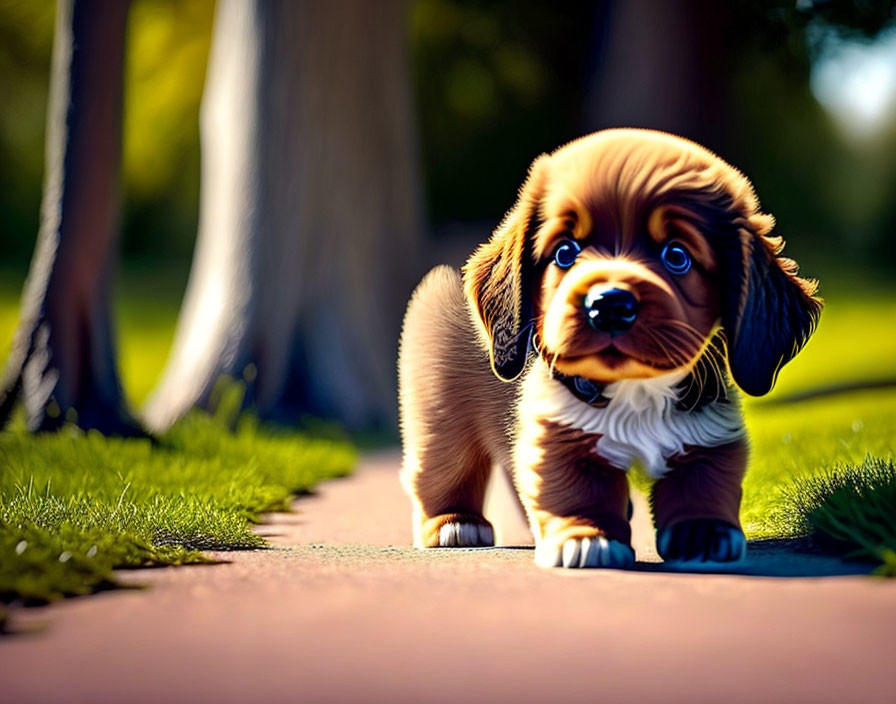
(641, 419)
(644, 394)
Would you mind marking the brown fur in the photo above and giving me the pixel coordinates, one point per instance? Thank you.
(577, 494)
(444, 375)
(704, 482)
(620, 194)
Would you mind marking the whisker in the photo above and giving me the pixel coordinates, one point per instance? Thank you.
(674, 339)
(680, 341)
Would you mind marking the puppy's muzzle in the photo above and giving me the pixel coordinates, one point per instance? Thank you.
(611, 310)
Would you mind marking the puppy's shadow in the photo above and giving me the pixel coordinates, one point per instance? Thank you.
(770, 558)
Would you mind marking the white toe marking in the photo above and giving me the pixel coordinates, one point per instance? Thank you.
(447, 536)
(469, 535)
(548, 555)
(584, 552)
(571, 549)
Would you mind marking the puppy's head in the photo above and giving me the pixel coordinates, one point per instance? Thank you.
(626, 253)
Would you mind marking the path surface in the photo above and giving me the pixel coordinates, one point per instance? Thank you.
(341, 611)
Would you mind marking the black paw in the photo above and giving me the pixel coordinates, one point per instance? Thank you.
(701, 540)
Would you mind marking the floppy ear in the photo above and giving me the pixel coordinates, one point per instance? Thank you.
(498, 278)
(768, 312)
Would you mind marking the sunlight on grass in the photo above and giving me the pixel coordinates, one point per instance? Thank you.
(147, 316)
(10, 290)
(852, 509)
(75, 506)
(806, 439)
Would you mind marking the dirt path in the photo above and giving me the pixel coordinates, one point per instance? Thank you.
(341, 611)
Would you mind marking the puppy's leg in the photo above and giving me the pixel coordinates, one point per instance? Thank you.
(576, 502)
(447, 487)
(696, 505)
(449, 401)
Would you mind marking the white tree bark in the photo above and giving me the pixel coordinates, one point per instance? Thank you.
(310, 214)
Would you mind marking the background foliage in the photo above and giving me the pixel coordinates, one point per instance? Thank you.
(496, 83)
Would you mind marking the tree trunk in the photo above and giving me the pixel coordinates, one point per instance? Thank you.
(661, 65)
(62, 364)
(309, 218)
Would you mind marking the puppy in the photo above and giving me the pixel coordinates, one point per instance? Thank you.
(602, 324)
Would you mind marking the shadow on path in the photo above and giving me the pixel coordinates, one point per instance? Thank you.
(765, 558)
(773, 558)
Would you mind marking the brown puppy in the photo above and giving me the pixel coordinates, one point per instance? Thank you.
(592, 330)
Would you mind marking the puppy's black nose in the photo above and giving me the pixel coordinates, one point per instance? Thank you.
(611, 310)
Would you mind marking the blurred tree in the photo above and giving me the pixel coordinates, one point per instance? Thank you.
(63, 361)
(734, 76)
(310, 214)
(661, 65)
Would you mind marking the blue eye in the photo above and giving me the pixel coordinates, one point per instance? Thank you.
(565, 253)
(676, 259)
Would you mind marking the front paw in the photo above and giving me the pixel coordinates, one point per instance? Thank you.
(595, 551)
(701, 540)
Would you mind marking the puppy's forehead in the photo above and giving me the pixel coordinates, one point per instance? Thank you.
(612, 180)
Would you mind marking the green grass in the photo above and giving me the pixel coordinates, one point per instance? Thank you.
(795, 441)
(75, 506)
(851, 508)
(855, 341)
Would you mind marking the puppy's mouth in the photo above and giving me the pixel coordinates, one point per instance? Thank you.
(610, 361)
(612, 357)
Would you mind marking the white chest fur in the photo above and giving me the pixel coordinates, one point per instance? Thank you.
(639, 423)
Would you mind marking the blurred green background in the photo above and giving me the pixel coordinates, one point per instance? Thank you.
(496, 83)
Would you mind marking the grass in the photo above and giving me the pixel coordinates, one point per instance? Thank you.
(854, 343)
(794, 442)
(798, 448)
(74, 506)
(851, 509)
